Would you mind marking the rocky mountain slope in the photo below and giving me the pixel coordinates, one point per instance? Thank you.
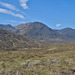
(36, 30)
(40, 31)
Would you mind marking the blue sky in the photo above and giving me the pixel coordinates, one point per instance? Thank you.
(56, 14)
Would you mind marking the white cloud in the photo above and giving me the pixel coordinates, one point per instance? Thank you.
(9, 6)
(23, 4)
(11, 13)
(57, 25)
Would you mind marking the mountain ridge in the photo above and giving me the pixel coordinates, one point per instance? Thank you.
(41, 32)
(9, 28)
(68, 32)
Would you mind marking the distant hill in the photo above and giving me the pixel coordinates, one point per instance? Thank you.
(9, 28)
(10, 40)
(68, 32)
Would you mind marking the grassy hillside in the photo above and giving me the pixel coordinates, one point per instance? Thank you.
(52, 60)
(10, 40)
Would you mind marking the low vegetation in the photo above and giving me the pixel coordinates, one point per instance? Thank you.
(52, 60)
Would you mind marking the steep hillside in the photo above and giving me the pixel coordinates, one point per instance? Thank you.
(10, 40)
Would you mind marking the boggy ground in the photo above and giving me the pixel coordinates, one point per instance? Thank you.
(52, 60)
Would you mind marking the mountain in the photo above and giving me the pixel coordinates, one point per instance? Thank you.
(9, 28)
(36, 30)
(10, 40)
(40, 31)
(68, 32)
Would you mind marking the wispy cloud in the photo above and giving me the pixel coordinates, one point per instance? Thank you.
(11, 13)
(9, 6)
(57, 25)
(23, 3)
(22, 22)
(16, 21)
(12, 21)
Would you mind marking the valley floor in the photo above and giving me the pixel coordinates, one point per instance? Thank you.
(52, 60)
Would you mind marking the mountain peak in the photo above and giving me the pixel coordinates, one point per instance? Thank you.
(9, 28)
(8, 25)
(68, 28)
(36, 22)
(40, 23)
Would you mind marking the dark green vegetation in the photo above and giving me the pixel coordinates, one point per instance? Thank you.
(52, 60)
(41, 32)
(10, 40)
